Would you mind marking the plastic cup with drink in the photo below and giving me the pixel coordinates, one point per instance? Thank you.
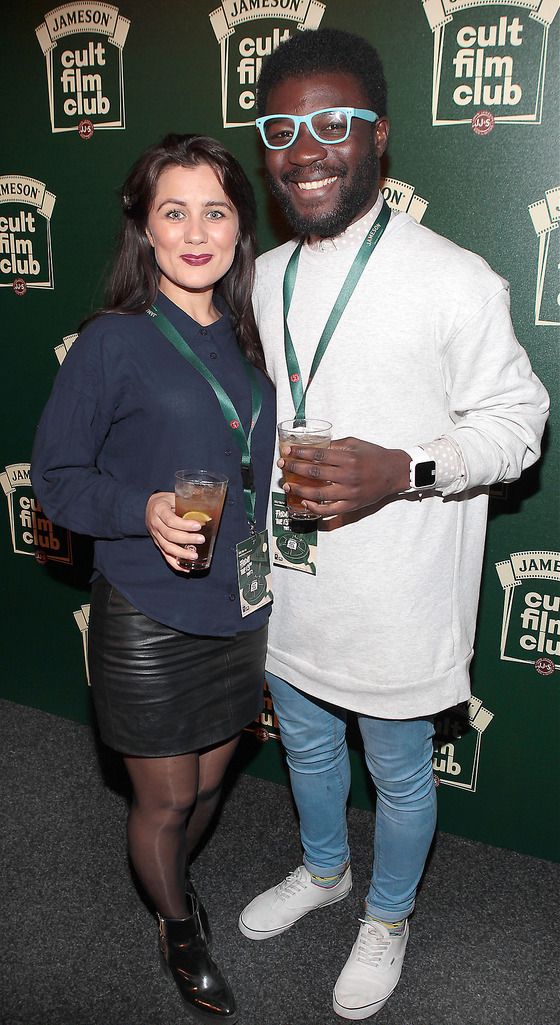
(200, 496)
(301, 433)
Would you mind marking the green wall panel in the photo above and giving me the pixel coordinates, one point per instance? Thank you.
(492, 184)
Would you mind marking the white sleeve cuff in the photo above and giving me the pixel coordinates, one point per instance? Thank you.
(451, 472)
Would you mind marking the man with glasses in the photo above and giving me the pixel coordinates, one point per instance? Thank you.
(405, 343)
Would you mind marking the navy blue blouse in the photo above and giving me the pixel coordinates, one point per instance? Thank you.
(125, 412)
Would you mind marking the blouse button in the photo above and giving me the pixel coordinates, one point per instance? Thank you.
(227, 452)
(203, 331)
(231, 597)
(213, 355)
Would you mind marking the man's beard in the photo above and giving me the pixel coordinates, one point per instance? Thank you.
(354, 198)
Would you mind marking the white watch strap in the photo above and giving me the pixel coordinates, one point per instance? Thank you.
(417, 455)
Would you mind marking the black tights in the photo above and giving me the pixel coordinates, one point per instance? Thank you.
(169, 795)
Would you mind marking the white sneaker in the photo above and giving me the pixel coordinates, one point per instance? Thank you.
(275, 910)
(371, 972)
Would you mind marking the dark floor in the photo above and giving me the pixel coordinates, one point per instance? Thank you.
(78, 945)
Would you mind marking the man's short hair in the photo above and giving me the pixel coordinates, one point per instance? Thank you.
(325, 50)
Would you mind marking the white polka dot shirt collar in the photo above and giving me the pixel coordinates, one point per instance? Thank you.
(352, 237)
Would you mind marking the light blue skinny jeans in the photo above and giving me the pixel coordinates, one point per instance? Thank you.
(398, 754)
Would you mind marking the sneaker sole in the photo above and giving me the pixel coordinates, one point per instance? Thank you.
(254, 934)
(359, 1013)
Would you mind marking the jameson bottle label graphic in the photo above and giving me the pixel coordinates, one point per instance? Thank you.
(247, 31)
(266, 725)
(489, 61)
(83, 47)
(401, 196)
(62, 350)
(545, 215)
(32, 533)
(531, 615)
(458, 742)
(26, 208)
(81, 617)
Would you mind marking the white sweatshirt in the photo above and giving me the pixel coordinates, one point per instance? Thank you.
(424, 349)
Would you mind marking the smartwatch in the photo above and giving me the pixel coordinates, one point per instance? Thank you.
(422, 469)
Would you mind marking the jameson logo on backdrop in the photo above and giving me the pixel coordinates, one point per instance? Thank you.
(83, 46)
(401, 196)
(247, 31)
(545, 215)
(531, 616)
(62, 350)
(26, 207)
(489, 60)
(458, 742)
(32, 533)
(81, 617)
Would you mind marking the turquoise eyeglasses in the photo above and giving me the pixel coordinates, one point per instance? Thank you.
(329, 125)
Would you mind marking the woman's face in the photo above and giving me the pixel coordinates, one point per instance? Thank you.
(193, 228)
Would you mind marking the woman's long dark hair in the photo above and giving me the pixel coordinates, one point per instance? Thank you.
(134, 279)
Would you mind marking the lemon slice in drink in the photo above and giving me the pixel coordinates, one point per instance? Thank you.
(200, 517)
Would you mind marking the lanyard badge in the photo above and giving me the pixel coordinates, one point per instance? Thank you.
(253, 572)
(293, 545)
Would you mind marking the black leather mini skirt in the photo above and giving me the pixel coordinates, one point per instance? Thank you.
(159, 692)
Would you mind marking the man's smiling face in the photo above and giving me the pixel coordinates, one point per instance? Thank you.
(322, 187)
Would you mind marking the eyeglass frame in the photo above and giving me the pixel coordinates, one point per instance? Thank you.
(305, 119)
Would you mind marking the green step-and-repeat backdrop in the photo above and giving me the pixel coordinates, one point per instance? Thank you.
(473, 154)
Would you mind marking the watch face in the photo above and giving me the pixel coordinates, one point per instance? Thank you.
(425, 474)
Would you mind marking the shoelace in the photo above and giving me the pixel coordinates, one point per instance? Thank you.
(371, 944)
(290, 885)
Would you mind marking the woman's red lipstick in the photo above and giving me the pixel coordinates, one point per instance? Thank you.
(197, 261)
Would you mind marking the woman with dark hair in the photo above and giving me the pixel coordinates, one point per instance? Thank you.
(176, 662)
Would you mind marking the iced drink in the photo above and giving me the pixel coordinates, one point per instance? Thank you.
(199, 496)
(302, 433)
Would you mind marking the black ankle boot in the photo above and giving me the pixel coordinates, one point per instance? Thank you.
(191, 893)
(185, 956)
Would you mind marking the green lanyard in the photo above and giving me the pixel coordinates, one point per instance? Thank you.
(354, 274)
(226, 405)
